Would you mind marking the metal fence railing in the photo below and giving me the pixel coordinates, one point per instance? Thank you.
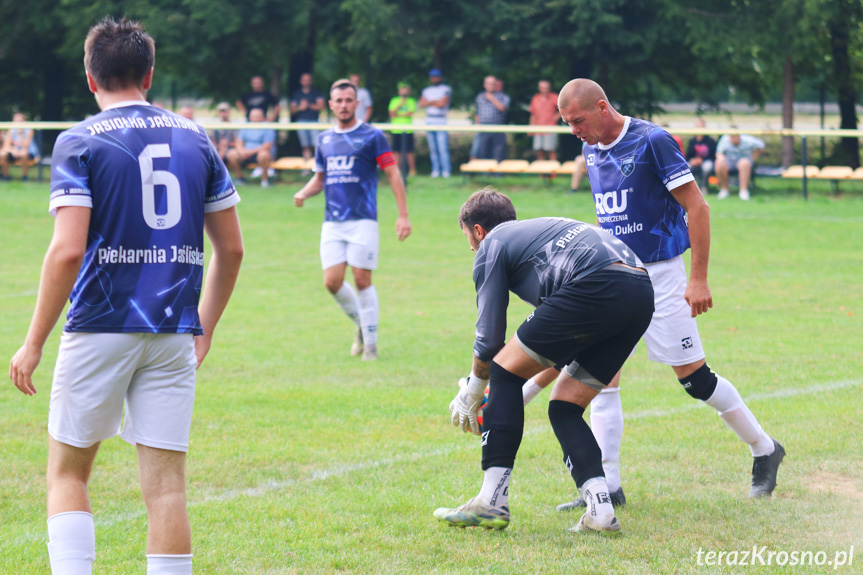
(476, 128)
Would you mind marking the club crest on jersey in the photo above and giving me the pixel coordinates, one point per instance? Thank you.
(357, 144)
(591, 160)
(627, 166)
(336, 163)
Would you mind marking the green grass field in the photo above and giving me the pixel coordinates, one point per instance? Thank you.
(306, 460)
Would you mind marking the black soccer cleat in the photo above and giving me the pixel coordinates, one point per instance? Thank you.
(617, 499)
(764, 470)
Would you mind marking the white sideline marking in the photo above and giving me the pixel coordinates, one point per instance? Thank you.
(339, 470)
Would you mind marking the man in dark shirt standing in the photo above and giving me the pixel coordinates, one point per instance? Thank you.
(593, 303)
(259, 98)
(306, 105)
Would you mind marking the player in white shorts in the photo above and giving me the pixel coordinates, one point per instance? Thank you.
(133, 189)
(347, 158)
(646, 195)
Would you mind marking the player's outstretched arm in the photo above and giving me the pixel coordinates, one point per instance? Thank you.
(697, 293)
(223, 229)
(403, 222)
(313, 188)
(59, 270)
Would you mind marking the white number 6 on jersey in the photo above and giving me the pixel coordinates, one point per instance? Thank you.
(150, 179)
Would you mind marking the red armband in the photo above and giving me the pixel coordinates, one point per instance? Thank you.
(386, 160)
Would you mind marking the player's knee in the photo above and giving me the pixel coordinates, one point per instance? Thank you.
(700, 384)
(332, 285)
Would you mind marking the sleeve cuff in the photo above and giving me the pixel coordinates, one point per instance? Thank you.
(63, 201)
(222, 204)
(677, 182)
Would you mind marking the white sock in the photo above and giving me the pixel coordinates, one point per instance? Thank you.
(606, 421)
(727, 402)
(71, 543)
(347, 300)
(495, 486)
(368, 299)
(169, 564)
(530, 390)
(595, 495)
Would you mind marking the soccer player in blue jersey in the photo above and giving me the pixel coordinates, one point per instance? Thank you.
(347, 159)
(646, 196)
(133, 189)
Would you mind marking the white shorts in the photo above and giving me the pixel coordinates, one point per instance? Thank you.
(154, 374)
(353, 241)
(672, 337)
(545, 142)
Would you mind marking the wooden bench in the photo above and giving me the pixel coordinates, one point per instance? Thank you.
(512, 167)
(293, 164)
(835, 174)
(798, 172)
(543, 167)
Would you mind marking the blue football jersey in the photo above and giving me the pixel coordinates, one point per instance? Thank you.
(349, 161)
(631, 179)
(149, 176)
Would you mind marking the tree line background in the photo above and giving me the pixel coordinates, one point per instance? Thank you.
(642, 52)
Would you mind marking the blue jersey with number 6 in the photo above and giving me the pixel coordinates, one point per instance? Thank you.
(148, 176)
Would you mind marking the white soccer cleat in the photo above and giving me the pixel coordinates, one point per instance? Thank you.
(257, 172)
(475, 513)
(357, 345)
(744, 195)
(723, 193)
(588, 523)
(370, 352)
(600, 512)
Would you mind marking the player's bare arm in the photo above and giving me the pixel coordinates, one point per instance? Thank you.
(313, 188)
(697, 290)
(223, 230)
(59, 271)
(481, 368)
(403, 223)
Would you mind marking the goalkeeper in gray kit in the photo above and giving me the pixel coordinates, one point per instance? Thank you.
(593, 299)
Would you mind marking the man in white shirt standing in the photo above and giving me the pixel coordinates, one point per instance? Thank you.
(436, 100)
(365, 104)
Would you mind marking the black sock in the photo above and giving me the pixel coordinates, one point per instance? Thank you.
(581, 453)
(503, 419)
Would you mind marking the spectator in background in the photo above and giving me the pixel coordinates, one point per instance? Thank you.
(18, 146)
(188, 112)
(436, 100)
(365, 104)
(306, 105)
(578, 173)
(402, 109)
(224, 140)
(261, 99)
(491, 107)
(255, 145)
(701, 155)
(736, 154)
(544, 112)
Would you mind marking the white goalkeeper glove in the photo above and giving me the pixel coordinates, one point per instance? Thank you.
(467, 402)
